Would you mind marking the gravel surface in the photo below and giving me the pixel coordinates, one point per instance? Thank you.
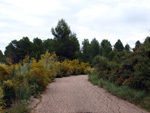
(75, 94)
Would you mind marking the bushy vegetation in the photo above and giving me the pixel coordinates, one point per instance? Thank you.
(30, 76)
(25, 70)
(72, 67)
(19, 81)
(139, 98)
(127, 74)
(127, 68)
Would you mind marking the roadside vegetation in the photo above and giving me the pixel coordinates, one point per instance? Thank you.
(26, 67)
(29, 77)
(139, 98)
(127, 75)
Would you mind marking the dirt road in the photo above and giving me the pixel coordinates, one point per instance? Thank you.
(76, 94)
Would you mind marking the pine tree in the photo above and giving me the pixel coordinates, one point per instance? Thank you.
(119, 46)
(65, 42)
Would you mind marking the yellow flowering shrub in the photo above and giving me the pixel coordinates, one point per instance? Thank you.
(63, 68)
(71, 67)
(28, 77)
(4, 72)
(49, 61)
(2, 104)
(39, 74)
(52, 72)
(9, 92)
(26, 59)
(90, 70)
(74, 66)
(78, 68)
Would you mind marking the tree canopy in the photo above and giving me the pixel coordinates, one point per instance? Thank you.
(65, 42)
(119, 46)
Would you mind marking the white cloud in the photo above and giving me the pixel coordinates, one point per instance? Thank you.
(89, 14)
(128, 20)
(35, 6)
(3, 24)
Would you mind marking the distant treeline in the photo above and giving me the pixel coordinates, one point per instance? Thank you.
(65, 44)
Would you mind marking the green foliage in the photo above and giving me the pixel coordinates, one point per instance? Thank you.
(18, 107)
(101, 63)
(37, 48)
(10, 51)
(4, 73)
(127, 68)
(119, 46)
(32, 73)
(86, 49)
(112, 54)
(94, 48)
(66, 43)
(139, 98)
(106, 48)
(2, 104)
(23, 48)
(127, 47)
(9, 92)
(28, 77)
(49, 45)
(1, 57)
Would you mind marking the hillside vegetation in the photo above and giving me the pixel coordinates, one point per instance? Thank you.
(28, 66)
(30, 77)
(127, 75)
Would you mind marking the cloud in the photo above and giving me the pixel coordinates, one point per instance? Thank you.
(127, 20)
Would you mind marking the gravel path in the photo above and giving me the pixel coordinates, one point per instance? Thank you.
(76, 94)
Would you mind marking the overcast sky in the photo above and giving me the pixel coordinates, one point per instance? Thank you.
(128, 20)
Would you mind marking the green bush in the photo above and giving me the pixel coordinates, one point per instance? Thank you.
(9, 92)
(139, 98)
(18, 107)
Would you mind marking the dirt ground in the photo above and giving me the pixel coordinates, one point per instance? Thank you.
(75, 94)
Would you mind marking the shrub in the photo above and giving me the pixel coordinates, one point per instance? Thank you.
(18, 107)
(64, 68)
(71, 67)
(101, 63)
(49, 61)
(9, 92)
(89, 70)
(139, 98)
(4, 73)
(39, 74)
(2, 104)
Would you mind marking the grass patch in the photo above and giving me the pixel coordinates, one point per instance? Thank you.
(18, 107)
(139, 98)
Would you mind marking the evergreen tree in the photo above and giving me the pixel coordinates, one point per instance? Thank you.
(10, 51)
(119, 46)
(106, 48)
(112, 54)
(1, 57)
(17, 50)
(65, 42)
(37, 48)
(86, 50)
(127, 47)
(95, 48)
(137, 44)
(49, 45)
(23, 47)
